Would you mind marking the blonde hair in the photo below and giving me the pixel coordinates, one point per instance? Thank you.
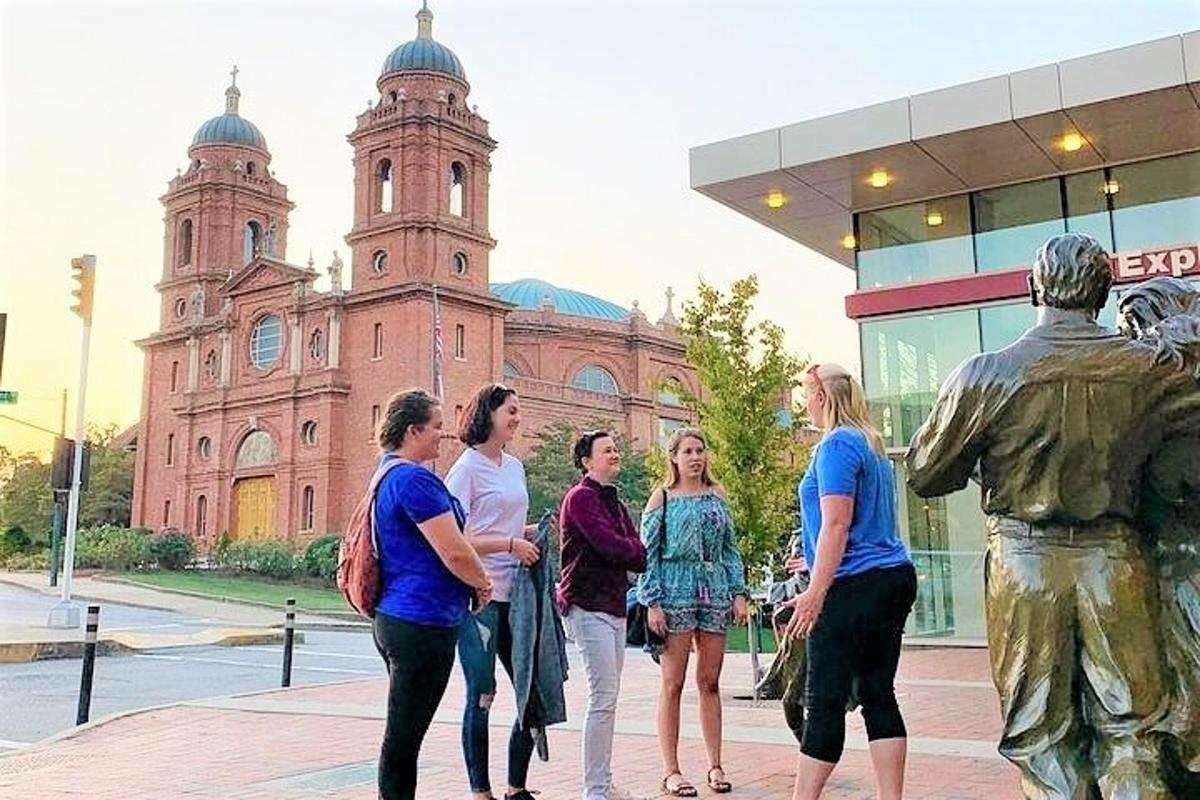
(673, 445)
(845, 402)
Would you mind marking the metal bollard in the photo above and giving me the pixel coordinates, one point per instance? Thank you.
(289, 640)
(89, 664)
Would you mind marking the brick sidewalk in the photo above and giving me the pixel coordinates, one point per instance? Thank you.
(320, 741)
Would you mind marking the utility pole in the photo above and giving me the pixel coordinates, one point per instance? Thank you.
(66, 613)
(56, 529)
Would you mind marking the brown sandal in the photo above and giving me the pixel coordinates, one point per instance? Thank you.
(681, 789)
(722, 786)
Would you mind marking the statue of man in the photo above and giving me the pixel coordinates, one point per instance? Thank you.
(1166, 312)
(335, 274)
(272, 236)
(198, 304)
(1058, 428)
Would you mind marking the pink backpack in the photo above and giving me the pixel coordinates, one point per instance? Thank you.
(358, 554)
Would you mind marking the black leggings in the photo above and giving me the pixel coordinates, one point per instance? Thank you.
(856, 643)
(419, 659)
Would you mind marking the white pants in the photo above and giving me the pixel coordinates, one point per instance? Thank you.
(600, 638)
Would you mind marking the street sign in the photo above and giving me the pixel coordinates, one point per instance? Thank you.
(8, 397)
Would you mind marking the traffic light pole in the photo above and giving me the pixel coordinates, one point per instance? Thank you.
(67, 613)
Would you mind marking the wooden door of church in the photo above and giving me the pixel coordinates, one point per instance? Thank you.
(253, 508)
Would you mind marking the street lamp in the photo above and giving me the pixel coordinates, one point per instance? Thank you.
(66, 613)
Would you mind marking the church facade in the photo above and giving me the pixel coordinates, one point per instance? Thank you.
(261, 394)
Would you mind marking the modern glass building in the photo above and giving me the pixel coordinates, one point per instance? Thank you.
(938, 202)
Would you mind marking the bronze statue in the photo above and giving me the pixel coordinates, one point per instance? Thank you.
(1058, 428)
(1166, 313)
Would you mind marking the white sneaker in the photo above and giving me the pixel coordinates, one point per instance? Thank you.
(614, 792)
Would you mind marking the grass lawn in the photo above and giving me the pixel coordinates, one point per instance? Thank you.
(738, 642)
(231, 587)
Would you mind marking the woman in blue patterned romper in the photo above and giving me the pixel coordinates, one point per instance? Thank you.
(693, 587)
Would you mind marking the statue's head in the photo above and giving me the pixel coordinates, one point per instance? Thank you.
(1153, 301)
(1071, 271)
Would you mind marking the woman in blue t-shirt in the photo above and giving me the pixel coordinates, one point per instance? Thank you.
(862, 588)
(430, 580)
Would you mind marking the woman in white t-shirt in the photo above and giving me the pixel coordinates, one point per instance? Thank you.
(490, 485)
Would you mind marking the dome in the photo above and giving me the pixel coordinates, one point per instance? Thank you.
(423, 54)
(529, 294)
(230, 127)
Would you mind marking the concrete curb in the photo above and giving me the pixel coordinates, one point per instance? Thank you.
(28, 652)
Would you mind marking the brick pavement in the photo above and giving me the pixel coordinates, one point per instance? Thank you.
(319, 741)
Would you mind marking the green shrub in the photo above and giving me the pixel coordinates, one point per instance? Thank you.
(114, 548)
(14, 541)
(320, 559)
(268, 557)
(27, 562)
(172, 550)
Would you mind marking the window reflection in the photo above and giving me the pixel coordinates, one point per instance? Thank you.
(916, 242)
(1156, 203)
(1087, 206)
(1012, 222)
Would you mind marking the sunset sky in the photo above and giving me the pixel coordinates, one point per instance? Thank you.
(594, 102)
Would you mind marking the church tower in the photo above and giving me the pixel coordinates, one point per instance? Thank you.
(421, 163)
(223, 211)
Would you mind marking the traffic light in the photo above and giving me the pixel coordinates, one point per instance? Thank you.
(83, 269)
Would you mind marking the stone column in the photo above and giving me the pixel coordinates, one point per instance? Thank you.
(193, 363)
(335, 338)
(226, 357)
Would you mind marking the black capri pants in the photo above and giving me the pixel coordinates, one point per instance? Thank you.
(856, 642)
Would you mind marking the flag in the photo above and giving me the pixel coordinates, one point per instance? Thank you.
(439, 351)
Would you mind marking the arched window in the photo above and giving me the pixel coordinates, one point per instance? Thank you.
(510, 371)
(596, 379)
(671, 393)
(460, 264)
(204, 448)
(201, 516)
(392, 96)
(212, 363)
(257, 450)
(174, 377)
(266, 341)
(185, 243)
(458, 180)
(170, 449)
(308, 432)
(450, 99)
(383, 186)
(308, 507)
(316, 345)
(379, 262)
(251, 241)
(166, 513)
(250, 168)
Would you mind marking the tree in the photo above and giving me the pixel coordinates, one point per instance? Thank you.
(25, 496)
(746, 376)
(27, 501)
(109, 497)
(550, 469)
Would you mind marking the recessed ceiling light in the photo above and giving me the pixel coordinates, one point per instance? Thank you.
(1111, 186)
(933, 219)
(775, 199)
(880, 178)
(1072, 142)
(849, 242)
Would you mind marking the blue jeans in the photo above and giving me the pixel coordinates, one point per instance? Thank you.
(481, 639)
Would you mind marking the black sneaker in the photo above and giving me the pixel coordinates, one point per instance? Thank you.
(524, 794)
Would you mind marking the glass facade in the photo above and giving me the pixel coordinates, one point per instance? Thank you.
(1127, 208)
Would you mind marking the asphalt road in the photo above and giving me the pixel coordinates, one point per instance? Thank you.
(41, 698)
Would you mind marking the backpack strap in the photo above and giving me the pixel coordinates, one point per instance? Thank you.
(376, 479)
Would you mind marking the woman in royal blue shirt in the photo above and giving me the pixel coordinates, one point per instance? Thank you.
(862, 588)
(430, 579)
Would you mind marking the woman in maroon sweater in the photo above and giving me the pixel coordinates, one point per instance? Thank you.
(600, 546)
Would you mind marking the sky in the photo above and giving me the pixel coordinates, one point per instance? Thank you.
(594, 104)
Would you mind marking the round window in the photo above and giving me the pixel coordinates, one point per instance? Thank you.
(460, 264)
(204, 447)
(379, 262)
(180, 308)
(308, 432)
(266, 341)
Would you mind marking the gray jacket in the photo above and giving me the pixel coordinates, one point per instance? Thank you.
(539, 651)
